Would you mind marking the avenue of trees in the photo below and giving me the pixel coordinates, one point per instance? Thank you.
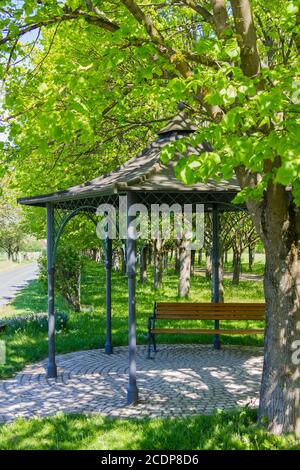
(237, 236)
(12, 235)
(88, 82)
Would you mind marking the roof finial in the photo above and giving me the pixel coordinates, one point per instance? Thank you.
(181, 106)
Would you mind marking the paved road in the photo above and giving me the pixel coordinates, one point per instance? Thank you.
(11, 282)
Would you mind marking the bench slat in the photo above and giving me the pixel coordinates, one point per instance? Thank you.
(222, 307)
(204, 331)
(213, 316)
(210, 304)
(207, 312)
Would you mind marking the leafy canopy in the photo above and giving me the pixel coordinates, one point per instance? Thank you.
(87, 83)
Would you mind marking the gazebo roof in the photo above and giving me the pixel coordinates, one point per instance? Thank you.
(143, 173)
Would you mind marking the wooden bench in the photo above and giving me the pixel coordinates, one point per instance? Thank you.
(204, 311)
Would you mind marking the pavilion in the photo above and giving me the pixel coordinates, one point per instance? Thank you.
(143, 179)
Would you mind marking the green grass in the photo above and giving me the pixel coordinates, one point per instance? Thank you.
(87, 329)
(257, 269)
(236, 430)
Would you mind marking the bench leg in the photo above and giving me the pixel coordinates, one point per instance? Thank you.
(149, 345)
(217, 344)
(154, 342)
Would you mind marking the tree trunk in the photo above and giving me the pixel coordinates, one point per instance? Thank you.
(251, 254)
(143, 264)
(280, 389)
(278, 223)
(185, 270)
(221, 278)
(158, 264)
(124, 262)
(199, 257)
(208, 265)
(150, 250)
(115, 260)
(177, 261)
(193, 262)
(226, 257)
(165, 260)
(95, 254)
(236, 267)
(74, 296)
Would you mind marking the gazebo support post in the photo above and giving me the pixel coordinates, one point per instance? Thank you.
(108, 266)
(215, 268)
(51, 367)
(132, 394)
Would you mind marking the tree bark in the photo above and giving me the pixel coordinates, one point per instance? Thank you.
(251, 257)
(177, 261)
(165, 259)
(208, 264)
(115, 260)
(199, 257)
(158, 264)
(220, 16)
(193, 262)
(279, 407)
(236, 267)
(221, 279)
(150, 250)
(185, 270)
(124, 262)
(143, 264)
(246, 35)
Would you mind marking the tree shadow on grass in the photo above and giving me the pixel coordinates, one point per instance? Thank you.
(86, 330)
(236, 430)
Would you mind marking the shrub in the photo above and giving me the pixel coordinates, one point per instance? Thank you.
(67, 274)
(38, 321)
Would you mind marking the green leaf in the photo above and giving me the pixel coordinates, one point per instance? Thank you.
(287, 173)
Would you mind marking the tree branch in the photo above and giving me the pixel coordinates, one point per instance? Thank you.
(91, 19)
(206, 15)
(143, 19)
(220, 16)
(243, 19)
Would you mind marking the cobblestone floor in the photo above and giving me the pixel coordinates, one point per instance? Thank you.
(181, 380)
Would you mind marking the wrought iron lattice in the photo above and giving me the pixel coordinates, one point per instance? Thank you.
(65, 210)
(209, 199)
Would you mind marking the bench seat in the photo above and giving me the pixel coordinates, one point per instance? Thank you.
(176, 311)
(186, 331)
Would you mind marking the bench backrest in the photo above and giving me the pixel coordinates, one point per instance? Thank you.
(209, 311)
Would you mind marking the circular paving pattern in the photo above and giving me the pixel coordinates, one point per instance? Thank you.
(180, 380)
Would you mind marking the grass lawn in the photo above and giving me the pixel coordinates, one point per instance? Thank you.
(258, 267)
(87, 329)
(236, 430)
